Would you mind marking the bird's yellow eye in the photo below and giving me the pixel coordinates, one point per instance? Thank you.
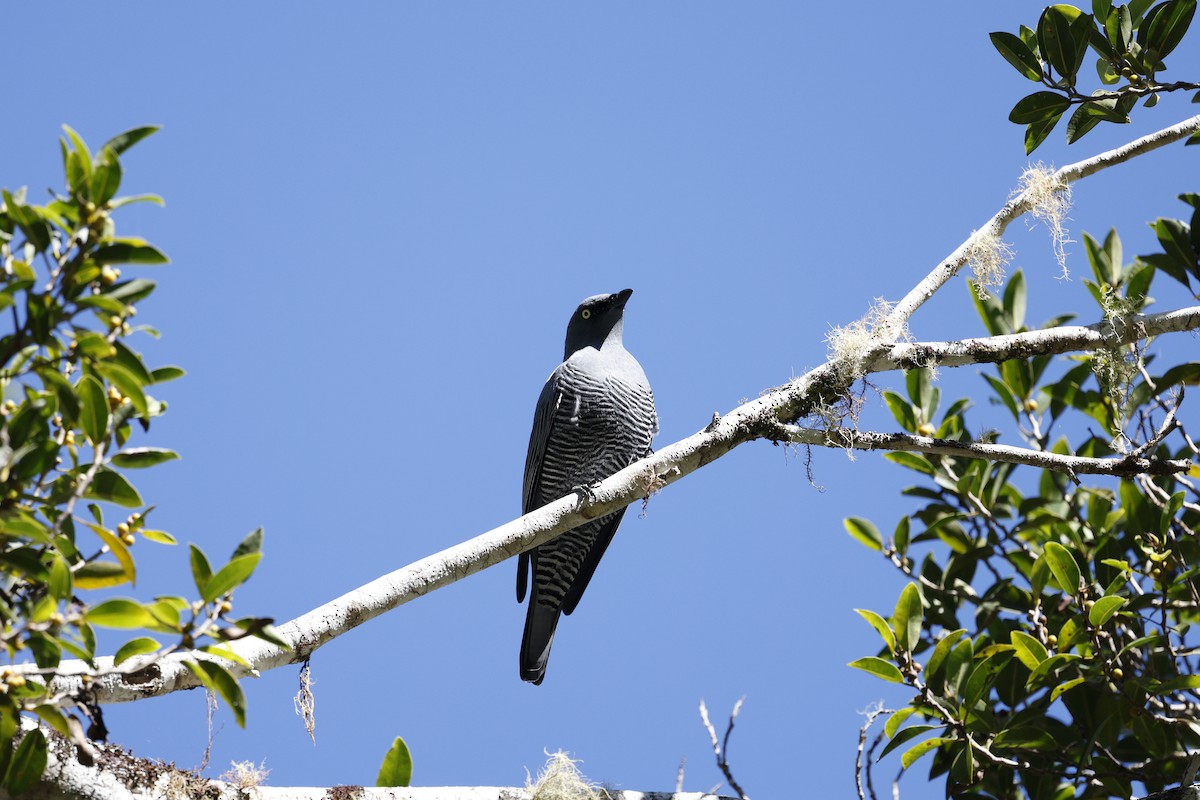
(586, 313)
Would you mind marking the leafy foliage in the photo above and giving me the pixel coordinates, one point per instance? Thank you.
(75, 393)
(1130, 41)
(1045, 631)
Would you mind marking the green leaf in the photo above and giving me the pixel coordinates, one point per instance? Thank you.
(1039, 107)
(1025, 737)
(913, 461)
(201, 571)
(940, 651)
(1014, 300)
(119, 612)
(230, 576)
(100, 575)
(123, 141)
(1029, 650)
(1062, 565)
(908, 618)
(118, 549)
(1017, 53)
(251, 544)
(113, 487)
(130, 291)
(107, 177)
(68, 401)
(1119, 27)
(396, 769)
(83, 160)
(90, 343)
(901, 410)
(864, 531)
(1104, 608)
(879, 624)
(164, 374)
(93, 409)
(135, 647)
(1182, 683)
(1105, 72)
(985, 673)
(128, 251)
(917, 750)
(1165, 26)
(879, 668)
(61, 581)
(28, 763)
(1063, 34)
(904, 735)
(221, 651)
(54, 717)
(219, 681)
(1080, 123)
(140, 457)
(136, 198)
(896, 720)
(1036, 133)
(162, 537)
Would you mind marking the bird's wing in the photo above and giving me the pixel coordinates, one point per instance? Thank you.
(543, 425)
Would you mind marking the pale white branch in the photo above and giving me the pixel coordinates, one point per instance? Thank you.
(1063, 339)
(1021, 204)
(117, 775)
(1126, 466)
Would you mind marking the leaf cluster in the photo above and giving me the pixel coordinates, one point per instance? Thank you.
(1131, 42)
(75, 393)
(1045, 628)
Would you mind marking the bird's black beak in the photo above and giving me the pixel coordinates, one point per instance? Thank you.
(621, 298)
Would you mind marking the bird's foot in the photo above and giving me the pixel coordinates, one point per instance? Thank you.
(587, 491)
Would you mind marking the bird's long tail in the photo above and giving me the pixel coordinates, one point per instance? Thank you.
(540, 622)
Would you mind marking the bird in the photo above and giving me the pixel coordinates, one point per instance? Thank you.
(594, 417)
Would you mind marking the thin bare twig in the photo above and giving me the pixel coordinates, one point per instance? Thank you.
(721, 747)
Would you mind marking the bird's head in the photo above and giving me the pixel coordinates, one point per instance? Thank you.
(597, 320)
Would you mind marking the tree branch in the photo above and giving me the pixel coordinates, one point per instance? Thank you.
(1022, 203)
(117, 775)
(1050, 341)
(1125, 467)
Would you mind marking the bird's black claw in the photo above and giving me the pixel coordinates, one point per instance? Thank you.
(587, 491)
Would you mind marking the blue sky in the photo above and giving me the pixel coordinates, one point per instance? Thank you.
(380, 218)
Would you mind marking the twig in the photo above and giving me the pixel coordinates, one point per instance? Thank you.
(721, 748)
(859, 765)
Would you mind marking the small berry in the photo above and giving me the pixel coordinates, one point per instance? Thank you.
(926, 429)
(109, 275)
(1030, 405)
(1117, 674)
(123, 529)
